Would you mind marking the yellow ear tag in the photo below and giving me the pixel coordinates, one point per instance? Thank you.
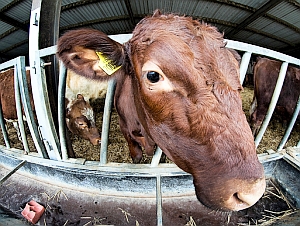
(106, 64)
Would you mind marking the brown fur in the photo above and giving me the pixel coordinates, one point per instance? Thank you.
(78, 123)
(7, 94)
(193, 112)
(266, 72)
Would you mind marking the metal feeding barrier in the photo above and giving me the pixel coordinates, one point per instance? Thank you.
(52, 146)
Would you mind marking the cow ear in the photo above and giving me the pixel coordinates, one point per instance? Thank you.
(80, 97)
(157, 13)
(90, 53)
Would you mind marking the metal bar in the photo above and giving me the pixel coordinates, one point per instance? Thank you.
(273, 102)
(156, 157)
(158, 201)
(4, 131)
(3, 179)
(48, 36)
(106, 120)
(61, 111)
(48, 51)
(241, 46)
(290, 127)
(43, 110)
(26, 102)
(4, 66)
(19, 111)
(244, 66)
(39, 86)
(7, 64)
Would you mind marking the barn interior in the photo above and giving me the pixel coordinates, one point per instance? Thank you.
(30, 25)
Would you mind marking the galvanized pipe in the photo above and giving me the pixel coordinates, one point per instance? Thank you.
(19, 111)
(4, 131)
(39, 88)
(244, 66)
(3, 179)
(273, 102)
(61, 111)
(290, 127)
(156, 157)
(158, 201)
(106, 120)
(22, 81)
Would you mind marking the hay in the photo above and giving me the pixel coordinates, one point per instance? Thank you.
(118, 148)
(273, 206)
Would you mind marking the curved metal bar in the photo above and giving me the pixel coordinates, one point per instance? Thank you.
(273, 102)
(3, 66)
(3, 179)
(158, 201)
(244, 66)
(24, 91)
(39, 88)
(106, 120)
(19, 111)
(61, 111)
(156, 157)
(290, 127)
(4, 130)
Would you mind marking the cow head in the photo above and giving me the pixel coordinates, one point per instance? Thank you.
(81, 121)
(185, 86)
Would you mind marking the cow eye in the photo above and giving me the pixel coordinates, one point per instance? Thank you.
(153, 76)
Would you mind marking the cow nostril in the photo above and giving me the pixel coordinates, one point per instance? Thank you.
(247, 197)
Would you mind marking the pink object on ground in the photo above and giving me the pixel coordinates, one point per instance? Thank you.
(33, 211)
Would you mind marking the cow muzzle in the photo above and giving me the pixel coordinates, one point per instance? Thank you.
(246, 196)
(232, 195)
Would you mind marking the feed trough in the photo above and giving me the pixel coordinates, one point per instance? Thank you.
(126, 194)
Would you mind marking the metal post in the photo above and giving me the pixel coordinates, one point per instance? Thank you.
(39, 86)
(12, 172)
(61, 111)
(106, 120)
(273, 102)
(156, 157)
(244, 66)
(19, 111)
(158, 201)
(48, 36)
(26, 103)
(290, 127)
(4, 131)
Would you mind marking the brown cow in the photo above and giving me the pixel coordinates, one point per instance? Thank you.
(80, 117)
(7, 97)
(177, 87)
(266, 72)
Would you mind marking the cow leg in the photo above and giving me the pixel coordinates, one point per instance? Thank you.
(136, 152)
(135, 149)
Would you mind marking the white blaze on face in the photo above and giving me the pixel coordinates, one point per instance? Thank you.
(89, 114)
